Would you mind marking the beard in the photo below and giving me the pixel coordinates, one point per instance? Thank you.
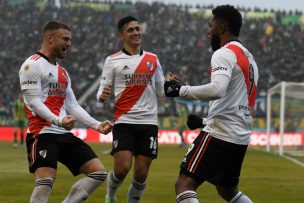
(215, 42)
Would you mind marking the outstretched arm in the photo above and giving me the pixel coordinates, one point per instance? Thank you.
(76, 110)
(216, 89)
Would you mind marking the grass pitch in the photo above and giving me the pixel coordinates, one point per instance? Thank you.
(265, 178)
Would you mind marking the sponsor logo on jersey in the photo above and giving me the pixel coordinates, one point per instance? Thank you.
(138, 79)
(247, 110)
(43, 153)
(29, 82)
(219, 68)
(57, 89)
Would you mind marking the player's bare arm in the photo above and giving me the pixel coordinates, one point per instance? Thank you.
(106, 93)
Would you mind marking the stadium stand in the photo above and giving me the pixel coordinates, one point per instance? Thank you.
(176, 33)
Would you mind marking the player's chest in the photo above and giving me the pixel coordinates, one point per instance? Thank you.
(55, 78)
(132, 69)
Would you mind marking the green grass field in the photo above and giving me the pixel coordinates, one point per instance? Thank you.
(265, 178)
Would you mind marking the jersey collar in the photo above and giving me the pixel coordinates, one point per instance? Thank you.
(233, 40)
(126, 52)
(45, 57)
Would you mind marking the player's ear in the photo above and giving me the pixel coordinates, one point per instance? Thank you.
(120, 35)
(222, 28)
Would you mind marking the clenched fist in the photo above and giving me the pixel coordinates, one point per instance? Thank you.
(105, 127)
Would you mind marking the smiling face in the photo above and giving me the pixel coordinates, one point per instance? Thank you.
(131, 34)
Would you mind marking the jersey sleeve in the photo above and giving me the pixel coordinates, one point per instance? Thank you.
(30, 76)
(159, 80)
(107, 76)
(222, 62)
(76, 110)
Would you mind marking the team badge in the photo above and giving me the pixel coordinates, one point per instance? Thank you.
(149, 65)
(27, 68)
(43, 153)
(115, 143)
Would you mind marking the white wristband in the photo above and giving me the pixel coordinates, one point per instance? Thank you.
(60, 121)
(57, 121)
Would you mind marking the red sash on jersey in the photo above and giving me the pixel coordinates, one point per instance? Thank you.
(132, 93)
(243, 63)
(54, 103)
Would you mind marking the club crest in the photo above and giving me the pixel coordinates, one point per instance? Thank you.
(43, 153)
(27, 68)
(149, 65)
(115, 143)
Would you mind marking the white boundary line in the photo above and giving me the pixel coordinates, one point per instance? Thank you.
(294, 160)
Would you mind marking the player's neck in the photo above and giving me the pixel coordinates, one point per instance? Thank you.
(48, 55)
(133, 50)
(227, 39)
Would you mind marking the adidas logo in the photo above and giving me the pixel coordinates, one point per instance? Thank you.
(169, 90)
(125, 67)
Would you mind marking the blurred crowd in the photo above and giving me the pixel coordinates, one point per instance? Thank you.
(176, 33)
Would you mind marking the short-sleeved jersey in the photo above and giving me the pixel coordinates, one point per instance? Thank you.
(230, 118)
(19, 110)
(53, 81)
(135, 79)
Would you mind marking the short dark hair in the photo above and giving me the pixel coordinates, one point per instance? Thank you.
(231, 16)
(55, 25)
(123, 21)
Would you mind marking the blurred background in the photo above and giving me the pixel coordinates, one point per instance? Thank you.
(175, 30)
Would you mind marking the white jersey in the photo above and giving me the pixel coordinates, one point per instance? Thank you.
(54, 83)
(137, 80)
(230, 118)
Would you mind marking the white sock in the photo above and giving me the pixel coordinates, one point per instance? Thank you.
(240, 198)
(85, 186)
(187, 197)
(136, 191)
(112, 186)
(42, 190)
